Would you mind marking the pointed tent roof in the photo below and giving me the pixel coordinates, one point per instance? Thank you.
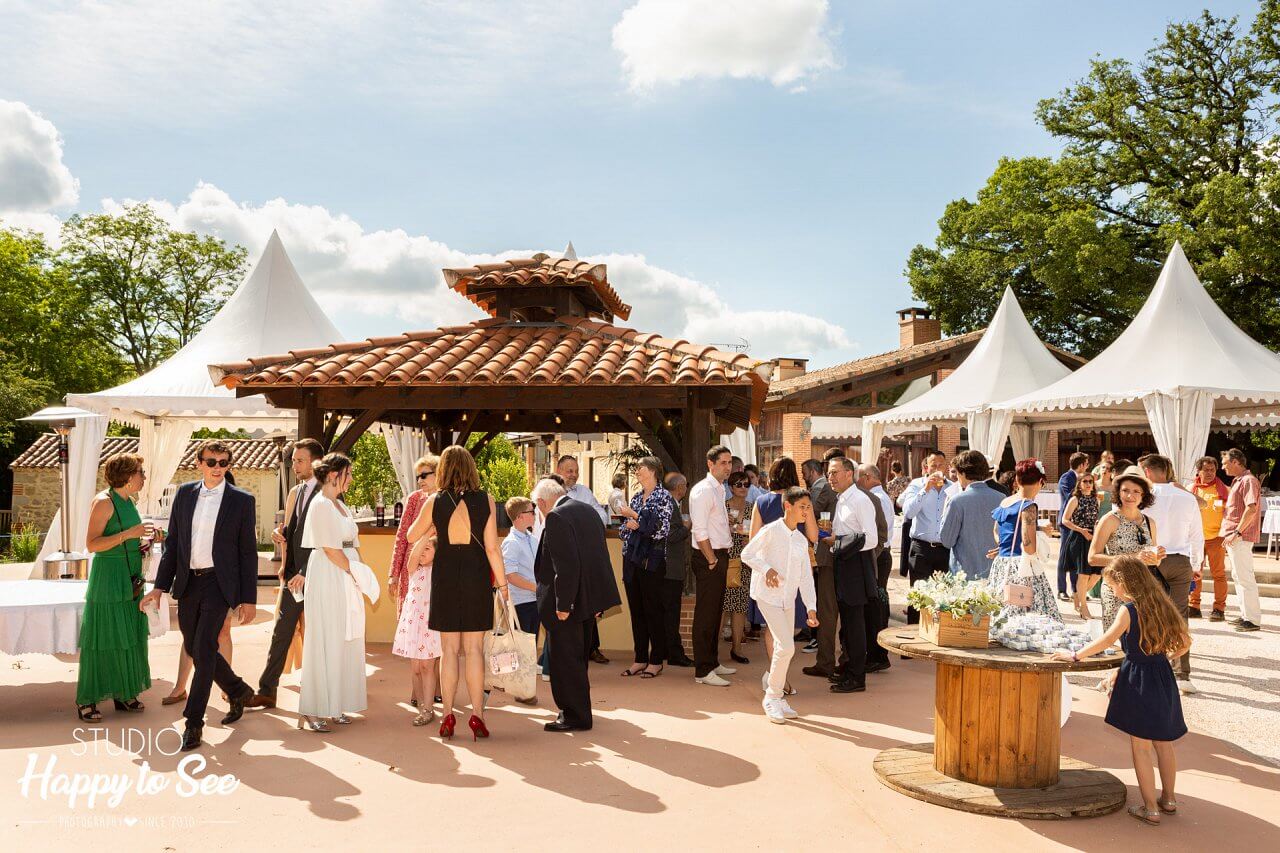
(1180, 341)
(271, 311)
(1009, 360)
(570, 252)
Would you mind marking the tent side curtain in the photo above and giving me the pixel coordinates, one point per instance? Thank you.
(988, 431)
(405, 447)
(161, 443)
(872, 439)
(82, 471)
(742, 444)
(1028, 442)
(1180, 425)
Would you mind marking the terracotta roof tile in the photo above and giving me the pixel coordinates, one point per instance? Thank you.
(250, 454)
(851, 370)
(478, 283)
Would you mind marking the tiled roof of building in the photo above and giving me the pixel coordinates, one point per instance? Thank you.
(248, 454)
(478, 283)
(860, 367)
(572, 351)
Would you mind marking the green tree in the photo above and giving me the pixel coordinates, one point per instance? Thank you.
(151, 288)
(1180, 146)
(371, 473)
(46, 346)
(502, 470)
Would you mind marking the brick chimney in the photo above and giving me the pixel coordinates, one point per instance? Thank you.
(917, 326)
(788, 368)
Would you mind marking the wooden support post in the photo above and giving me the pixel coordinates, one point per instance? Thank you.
(649, 437)
(696, 440)
(354, 430)
(481, 442)
(310, 419)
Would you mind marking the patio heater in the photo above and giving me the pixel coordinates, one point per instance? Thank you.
(63, 564)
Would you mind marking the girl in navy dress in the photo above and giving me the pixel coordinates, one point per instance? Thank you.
(1144, 701)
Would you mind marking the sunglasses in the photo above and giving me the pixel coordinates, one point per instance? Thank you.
(217, 463)
(422, 475)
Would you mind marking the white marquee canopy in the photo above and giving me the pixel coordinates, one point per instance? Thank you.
(1180, 366)
(1008, 361)
(270, 312)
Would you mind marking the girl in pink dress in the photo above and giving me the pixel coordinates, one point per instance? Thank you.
(414, 640)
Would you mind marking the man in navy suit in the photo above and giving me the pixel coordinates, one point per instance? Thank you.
(575, 584)
(210, 565)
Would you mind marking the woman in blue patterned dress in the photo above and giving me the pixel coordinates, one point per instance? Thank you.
(1016, 526)
(644, 565)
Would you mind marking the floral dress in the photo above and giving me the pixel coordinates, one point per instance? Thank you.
(1076, 546)
(1007, 566)
(400, 554)
(1129, 538)
(414, 639)
(737, 599)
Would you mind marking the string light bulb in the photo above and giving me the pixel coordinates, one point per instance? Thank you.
(506, 417)
(595, 416)
(558, 419)
(464, 417)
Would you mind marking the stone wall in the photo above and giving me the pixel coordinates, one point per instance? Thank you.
(37, 494)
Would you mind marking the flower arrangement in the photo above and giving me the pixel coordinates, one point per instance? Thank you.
(955, 594)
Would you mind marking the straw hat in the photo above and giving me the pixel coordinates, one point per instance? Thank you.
(1133, 472)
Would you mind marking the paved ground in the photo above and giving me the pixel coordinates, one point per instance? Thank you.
(669, 764)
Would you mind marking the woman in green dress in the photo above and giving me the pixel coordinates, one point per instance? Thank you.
(113, 634)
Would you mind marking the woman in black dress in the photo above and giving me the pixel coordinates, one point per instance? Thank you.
(468, 566)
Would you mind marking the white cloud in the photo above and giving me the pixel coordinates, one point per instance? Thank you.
(33, 178)
(389, 281)
(671, 41)
(193, 63)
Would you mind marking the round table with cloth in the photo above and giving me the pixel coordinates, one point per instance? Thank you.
(40, 616)
(1271, 520)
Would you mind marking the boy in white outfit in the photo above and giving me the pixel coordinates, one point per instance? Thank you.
(779, 559)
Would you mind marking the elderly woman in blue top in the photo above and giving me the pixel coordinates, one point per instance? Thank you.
(966, 519)
(922, 504)
(644, 565)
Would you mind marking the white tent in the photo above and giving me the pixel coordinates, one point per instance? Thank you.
(270, 312)
(1181, 365)
(1008, 361)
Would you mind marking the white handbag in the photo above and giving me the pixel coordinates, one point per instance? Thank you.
(510, 655)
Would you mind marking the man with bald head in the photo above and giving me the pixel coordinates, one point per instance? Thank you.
(679, 548)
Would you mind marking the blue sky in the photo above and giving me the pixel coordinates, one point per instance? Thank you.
(386, 139)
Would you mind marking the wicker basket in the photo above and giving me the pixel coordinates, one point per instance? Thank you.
(943, 629)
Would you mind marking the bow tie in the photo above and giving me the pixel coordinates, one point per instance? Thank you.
(204, 493)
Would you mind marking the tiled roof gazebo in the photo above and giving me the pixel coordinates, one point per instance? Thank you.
(548, 360)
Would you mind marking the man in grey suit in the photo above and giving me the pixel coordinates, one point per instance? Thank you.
(966, 519)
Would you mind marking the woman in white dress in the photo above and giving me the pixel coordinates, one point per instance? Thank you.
(333, 671)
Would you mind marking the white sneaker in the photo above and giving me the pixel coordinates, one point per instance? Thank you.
(773, 710)
(810, 647)
(712, 679)
(1186, 685)
(725, 670)
(787, 710)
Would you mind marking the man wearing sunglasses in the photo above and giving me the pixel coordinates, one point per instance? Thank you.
(210, 565)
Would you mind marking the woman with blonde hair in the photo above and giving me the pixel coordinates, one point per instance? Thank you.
(113, 635)
(468, 566)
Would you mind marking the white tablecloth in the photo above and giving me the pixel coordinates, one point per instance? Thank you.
(1049, 501)
(40, 616)
(1271, 521)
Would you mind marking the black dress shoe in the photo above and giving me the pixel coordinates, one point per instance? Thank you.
(681, 661)
(191, 737)
(878, 666)
(817, 671)
(237, 709)
(562, 726)
(737, 658)
(598, 657)
(849, 686)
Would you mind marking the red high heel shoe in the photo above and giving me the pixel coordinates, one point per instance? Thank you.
(478, 729)
(446, 727)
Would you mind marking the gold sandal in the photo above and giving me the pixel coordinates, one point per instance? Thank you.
(424, 717)
(1167, 806)
(1140, 812)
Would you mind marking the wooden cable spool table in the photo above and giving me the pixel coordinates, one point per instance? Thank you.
(996, 735)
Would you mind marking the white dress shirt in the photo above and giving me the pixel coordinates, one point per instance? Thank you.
(1179, 527)
(582, 494)
(203, 521)
(785, 551)
(708, 514)
(886, 502)
(855, 513)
